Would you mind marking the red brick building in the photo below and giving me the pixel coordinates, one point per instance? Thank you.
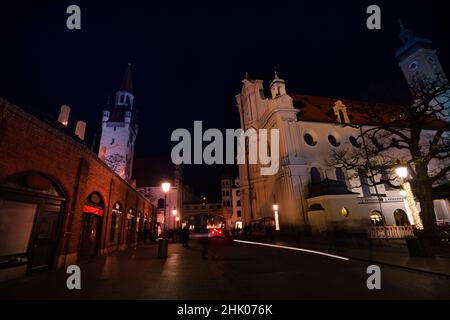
(59, 203)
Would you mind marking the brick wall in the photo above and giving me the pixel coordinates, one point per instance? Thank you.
(32, 145)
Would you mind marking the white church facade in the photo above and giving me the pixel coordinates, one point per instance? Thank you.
(308, 191)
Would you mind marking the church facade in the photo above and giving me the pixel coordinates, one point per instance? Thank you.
(308, 191)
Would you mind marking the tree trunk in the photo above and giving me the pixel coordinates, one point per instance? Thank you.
(425, 197)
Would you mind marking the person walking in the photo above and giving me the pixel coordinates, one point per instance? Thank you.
(185, 236)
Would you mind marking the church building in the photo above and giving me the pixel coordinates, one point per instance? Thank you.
(308, 192)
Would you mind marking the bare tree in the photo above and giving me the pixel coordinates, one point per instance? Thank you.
(416, 133)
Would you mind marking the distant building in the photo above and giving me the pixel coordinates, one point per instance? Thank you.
(150, 173)
(236, 217)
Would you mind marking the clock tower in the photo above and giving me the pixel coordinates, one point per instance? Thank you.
(418, 60)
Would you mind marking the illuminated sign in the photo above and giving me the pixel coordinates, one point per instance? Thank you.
(93, 210)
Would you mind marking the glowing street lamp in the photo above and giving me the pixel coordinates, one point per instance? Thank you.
(165, 188)
(277, 222)
(402, 172)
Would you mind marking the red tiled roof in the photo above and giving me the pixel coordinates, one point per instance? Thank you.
(320, 109)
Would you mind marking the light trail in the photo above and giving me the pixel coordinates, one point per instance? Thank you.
(295, 249)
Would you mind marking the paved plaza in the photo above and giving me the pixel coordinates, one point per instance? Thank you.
(223, 269)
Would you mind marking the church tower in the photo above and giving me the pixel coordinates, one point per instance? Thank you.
(119, 130)
(418, 60)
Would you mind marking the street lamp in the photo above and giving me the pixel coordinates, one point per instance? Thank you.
(277, 222)
(402, 173)
(165, 188)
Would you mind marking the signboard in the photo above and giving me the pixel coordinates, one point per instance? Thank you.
(93, 210)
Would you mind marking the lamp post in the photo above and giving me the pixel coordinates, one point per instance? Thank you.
(402, 173)
(165, 188)
(277, 222)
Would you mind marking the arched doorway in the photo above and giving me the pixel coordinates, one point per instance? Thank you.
(91, 225)
(401, 218)
(130, 227)
(116, 222)
(140, 227)
(31, 206)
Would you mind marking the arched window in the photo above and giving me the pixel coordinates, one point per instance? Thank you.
(340, 176)
(401, 219)
(315, 176)
(160, 203)
(376, 218)
(112, 234)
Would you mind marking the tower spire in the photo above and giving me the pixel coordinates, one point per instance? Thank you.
(275, 72)
(127, 84)
(405, 34)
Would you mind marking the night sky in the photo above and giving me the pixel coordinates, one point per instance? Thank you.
(189, 60)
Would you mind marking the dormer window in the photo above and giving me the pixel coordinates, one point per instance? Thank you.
(340, 111)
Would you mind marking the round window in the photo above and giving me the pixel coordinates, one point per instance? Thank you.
(354, 142)
(309, 139)
(333, 141)
(345, 212)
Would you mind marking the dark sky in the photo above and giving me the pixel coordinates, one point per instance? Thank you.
(188, 59)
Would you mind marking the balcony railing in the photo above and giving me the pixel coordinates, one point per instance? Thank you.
(391, 232)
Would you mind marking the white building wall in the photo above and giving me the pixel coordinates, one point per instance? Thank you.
(289, 187)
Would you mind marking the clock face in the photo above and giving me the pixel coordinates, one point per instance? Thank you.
(413, 66)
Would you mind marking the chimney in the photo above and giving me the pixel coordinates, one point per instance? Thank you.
(81, 128)
(64, 115)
